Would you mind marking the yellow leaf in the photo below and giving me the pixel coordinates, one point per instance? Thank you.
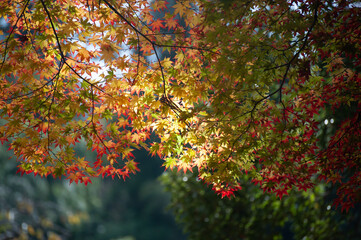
(107, 52)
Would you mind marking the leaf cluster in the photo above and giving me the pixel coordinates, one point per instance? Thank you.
(241, 92)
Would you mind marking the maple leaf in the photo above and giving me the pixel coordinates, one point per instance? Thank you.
(179, 9)
(107, 52)
(170, 163)
(183, 166)
(157, 24)
(86, 180)
(147, 49)
(172, 23)
(76, 177)
(84, 54)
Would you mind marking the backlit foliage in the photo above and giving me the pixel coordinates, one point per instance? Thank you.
(242, 91)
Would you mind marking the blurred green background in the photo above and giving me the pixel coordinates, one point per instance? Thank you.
(46, 208)
(147, 207)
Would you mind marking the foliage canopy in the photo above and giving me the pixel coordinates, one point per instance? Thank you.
(244, 89)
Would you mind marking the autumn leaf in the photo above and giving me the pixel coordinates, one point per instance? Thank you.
(107, 52)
